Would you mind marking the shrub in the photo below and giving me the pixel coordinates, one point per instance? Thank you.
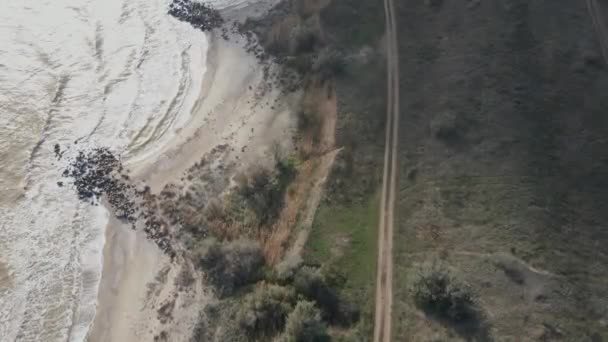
(436, 289)
(214, 211)
(330, 63)
(230, 266)
(286, 169)
(264, 311)
(309, 121)
(302, 64)
(313, 285)
(184, 278)
(216, 323)
(305, 37)
(262, 193)
(286, 269)
(304, 324)
(308, 280)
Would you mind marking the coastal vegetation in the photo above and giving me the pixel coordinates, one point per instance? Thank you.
(498, 211)
(264, 293)
(304, 324)
(497, 179)
(231, 265)
(437, 289)
(238, 238)
(236, 228)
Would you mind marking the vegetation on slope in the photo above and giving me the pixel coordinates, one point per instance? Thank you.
(502, 163)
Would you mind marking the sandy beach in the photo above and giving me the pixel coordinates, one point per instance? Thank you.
(237, 107)
(130, 262)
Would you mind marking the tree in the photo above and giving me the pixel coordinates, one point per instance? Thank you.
(304, 324)
(229, 266)
(259, 188)
(265, 310)
(311, 283)
(437, 289)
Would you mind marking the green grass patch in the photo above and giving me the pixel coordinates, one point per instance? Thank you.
(354, 23)
(344, 241)
(346, 237)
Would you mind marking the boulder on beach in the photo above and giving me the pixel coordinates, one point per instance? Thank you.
(198, 14)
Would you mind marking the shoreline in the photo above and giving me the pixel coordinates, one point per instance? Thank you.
(234, 108)
(125, 253)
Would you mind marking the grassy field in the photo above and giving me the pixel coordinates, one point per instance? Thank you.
(503, 163)
(344, 241)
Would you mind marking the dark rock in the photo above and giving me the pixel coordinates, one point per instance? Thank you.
(57, 151)
(97, 173)
(198, 14)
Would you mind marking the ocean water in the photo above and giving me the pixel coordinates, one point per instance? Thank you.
(79, 73)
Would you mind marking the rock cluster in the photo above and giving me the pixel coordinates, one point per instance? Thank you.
(98, 173)
(178, 208)
(205, 18)
(198, 14)
(58, 152)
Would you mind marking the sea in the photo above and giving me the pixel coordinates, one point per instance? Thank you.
(120, 74)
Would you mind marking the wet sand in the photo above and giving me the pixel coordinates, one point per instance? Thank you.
(130, 263)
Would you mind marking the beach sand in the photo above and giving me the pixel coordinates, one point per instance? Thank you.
(130, 263)
(237, 107)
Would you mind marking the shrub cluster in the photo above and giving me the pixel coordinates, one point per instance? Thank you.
(304, 324)
(231, 265)
(437, 289)
(264, 311)
(312, 284)
(262, 191)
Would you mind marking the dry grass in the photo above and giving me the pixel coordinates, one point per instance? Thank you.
(276, 241)
(320, 99)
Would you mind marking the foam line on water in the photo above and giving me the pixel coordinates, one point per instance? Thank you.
(126, 69)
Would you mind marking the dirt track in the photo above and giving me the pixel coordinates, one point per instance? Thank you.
(384, 281)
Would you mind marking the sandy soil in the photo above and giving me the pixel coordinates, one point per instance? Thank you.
(130, 263)
(237, 107)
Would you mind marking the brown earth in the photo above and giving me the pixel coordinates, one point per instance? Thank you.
(317, 145)
(384, 282)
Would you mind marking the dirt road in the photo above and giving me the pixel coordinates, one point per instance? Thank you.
(384, 281)
(597, 17)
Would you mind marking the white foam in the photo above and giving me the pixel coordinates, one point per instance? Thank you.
(115, 73)
(260, 5)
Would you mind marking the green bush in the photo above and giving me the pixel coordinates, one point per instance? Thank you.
(309, 121)
(304, 324)
(330, 63)
(262, 190)
(286, 270)
(230, 266)
(313, 285)
(436, 289)
(264, 311)
(305, 37)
